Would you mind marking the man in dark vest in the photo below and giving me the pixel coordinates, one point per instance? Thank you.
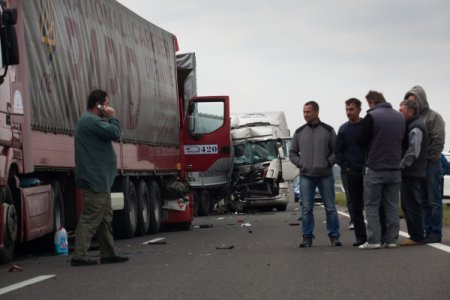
(382, 133)
(414, 170)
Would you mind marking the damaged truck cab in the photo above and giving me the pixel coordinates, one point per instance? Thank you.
(262, 169)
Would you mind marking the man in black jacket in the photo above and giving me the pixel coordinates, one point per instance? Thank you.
(350, 157)
(382, 133)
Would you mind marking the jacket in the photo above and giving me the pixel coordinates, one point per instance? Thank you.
(312, 149)
(95, 159)
(434, 122)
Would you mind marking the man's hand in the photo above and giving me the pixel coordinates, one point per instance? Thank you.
(109, 112)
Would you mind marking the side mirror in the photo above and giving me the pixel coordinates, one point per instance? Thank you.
(8, 36)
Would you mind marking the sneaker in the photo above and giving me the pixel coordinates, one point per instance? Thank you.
(369, 246)
(389, 245)
(359, 243)
(82, 263)
(307, 242)
(410, 242)
(351, 226)
(335, 241)
(114, 259)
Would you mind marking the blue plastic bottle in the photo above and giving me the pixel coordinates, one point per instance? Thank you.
(61, 242)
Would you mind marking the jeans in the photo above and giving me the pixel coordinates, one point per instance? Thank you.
(381, 189)
(326, 188)
(432, 201)
(411, 201)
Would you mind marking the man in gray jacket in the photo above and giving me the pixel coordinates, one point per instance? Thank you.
(312, 151)
(432, 202)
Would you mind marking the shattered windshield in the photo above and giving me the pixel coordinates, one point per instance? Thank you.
(255, 152)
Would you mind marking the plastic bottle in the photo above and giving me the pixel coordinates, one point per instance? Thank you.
(61, 242)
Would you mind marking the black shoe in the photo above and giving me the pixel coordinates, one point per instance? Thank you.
(335, 241)
(307, 242)
(82, 263)
(358, 243)
(432, 239)
(114, 259)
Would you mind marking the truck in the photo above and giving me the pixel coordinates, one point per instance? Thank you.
(209, 177)
(262, 170)
(53, 53)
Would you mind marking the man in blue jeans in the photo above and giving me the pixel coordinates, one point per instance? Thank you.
(432, 202)
(312, 151)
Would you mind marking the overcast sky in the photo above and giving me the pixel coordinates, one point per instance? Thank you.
(272, 55)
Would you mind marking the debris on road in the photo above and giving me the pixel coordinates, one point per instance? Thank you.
(203, 226)
(294, 224)
(15, 268)
(246, 225)
(157, 241)
(224, 247)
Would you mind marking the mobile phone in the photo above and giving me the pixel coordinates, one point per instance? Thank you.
(101, 107)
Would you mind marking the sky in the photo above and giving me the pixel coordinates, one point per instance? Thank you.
(272, 55)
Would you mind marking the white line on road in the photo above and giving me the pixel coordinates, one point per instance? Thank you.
(25, 283)
(439, 246)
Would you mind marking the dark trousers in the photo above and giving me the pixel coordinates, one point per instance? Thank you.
(355, 187)
(410, 196)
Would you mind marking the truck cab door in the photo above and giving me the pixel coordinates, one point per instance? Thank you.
(207, 143)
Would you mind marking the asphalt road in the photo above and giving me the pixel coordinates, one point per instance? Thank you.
(246, 256)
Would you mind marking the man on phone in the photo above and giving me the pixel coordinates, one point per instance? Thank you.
(95, 170)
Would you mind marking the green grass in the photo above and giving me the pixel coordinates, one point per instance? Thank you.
(341, 201)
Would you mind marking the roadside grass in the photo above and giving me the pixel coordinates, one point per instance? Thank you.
(341, 201)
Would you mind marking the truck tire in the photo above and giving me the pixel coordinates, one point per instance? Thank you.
(204, 201)
(155, 208)
(10, 226)
(58, 208)
(143, 205)
(125, 221)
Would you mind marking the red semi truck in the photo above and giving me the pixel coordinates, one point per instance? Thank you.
(53, 54)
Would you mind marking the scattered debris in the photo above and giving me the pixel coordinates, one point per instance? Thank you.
(224, 247)
(294, 224)
(15, 268)
(157, 241)
(203, 226)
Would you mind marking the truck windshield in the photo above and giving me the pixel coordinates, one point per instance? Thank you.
(255, 152)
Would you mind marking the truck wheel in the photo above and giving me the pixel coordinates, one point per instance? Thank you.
(125, 223)
(155, 208)
(143, 204)
(204, 207)
(58, 207)
(10, 223)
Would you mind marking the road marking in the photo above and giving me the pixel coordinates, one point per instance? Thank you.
(25, 283)
(438, 246)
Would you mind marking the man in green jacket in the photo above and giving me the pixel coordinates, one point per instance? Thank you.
(95, 170)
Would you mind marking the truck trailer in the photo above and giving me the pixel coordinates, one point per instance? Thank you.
(53, 54)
